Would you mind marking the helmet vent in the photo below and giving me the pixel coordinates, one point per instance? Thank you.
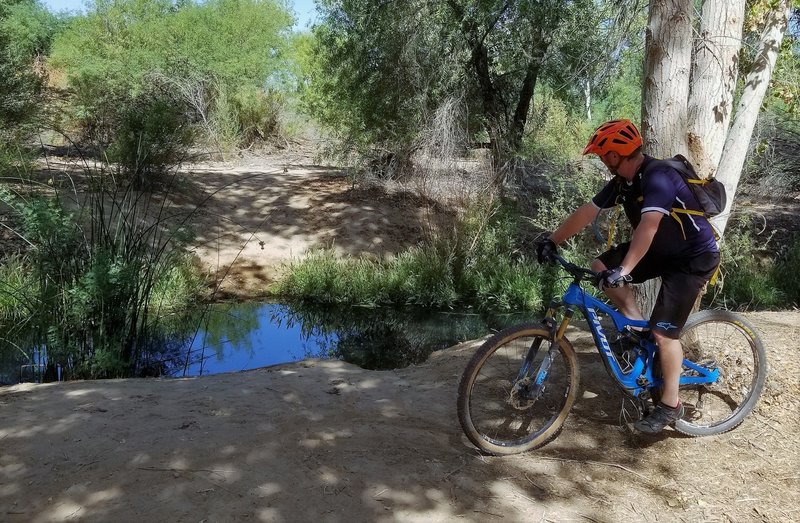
(620, 136)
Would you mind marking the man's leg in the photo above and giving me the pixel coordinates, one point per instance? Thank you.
(670, 355)
(669, 409)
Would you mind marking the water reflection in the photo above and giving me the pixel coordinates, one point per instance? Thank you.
(247, 336)
(236, 337)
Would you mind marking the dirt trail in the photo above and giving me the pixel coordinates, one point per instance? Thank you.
(327, 441)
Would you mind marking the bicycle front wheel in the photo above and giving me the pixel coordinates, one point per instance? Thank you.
(722, 340)
(515, 393)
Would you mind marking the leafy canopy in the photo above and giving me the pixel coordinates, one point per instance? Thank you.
(26, 29)
(121, 42)
(378, 71)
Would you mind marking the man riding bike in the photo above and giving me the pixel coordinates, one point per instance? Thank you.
(678, 247)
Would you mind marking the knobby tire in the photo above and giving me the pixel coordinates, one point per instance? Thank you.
(732, 343)
(493, 418)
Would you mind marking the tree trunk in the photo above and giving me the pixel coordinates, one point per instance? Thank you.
(737, 143)
(715, 67)
(665, 90)
(665, 94)
(520, 118)
(697, 126)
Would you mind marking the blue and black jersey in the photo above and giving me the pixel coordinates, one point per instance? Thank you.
(660, 190)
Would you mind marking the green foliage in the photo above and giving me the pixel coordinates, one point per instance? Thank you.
(202, 50)
(28, 26)
(560, 192)
(152, 134)
(622, 96)
(554, 134)
(17, 285)
(785, 81)
(238, 42)
(26, 29)
(748, 274)
(374, 72)
(424, 276)
(97, 282)
(257, 114)
(474, 265)
(593, 53)
(181, 282)
(377, 72)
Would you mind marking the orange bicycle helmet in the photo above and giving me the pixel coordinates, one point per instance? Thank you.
(620, 136)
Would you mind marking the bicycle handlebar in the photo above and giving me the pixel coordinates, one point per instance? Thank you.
(576, 271)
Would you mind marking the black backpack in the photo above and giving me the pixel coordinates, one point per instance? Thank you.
(709, 192)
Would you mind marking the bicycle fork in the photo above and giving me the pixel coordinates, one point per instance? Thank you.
(537, 387)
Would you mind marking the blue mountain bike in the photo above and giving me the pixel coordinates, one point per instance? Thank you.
(520, 385)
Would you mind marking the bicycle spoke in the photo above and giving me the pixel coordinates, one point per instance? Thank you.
(503, 411)
(721, 340)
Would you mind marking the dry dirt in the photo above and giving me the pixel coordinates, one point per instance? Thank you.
(328, 441)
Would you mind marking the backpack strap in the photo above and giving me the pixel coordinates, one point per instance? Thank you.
(681, 210)
(612, 228)
(679, 163)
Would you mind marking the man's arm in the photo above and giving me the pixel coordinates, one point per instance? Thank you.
(575, 223)
(641, 241)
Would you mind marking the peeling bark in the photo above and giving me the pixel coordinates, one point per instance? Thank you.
(715, 68)
(665, 90)
(736, 147)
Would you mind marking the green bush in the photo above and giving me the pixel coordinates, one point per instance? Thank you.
(26, 29)
(258, 114)
(477, 264)
(152, 134)
(98, 282)
(746, 271)
(112, 55)
(553, 134)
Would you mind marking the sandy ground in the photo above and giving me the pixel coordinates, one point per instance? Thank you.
(253, 219)
(328, 441)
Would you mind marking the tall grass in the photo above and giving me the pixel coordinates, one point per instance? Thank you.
(105, 268)
(475, 264)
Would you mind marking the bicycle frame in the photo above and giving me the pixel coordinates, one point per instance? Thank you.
(639, 378)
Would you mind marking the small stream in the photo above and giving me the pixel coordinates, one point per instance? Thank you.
(237, 337)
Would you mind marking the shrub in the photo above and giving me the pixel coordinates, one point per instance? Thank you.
(746, 272)
(257, 113)
(476, 264)
(112, 54)
(152, 134)
(97, 283)
(554, 135)
(785, 272)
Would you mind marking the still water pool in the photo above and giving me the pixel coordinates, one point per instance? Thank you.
(237, 337)
(247, 336)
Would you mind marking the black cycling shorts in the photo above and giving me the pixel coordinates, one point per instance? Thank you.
(681, 282)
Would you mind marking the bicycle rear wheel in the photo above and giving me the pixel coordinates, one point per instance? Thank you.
(723, 340)
(500, 406)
